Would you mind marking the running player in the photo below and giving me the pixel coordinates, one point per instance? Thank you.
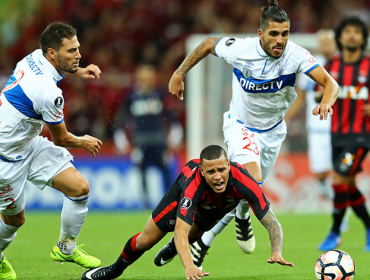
(206, 189)
(264, 75)
(318, 133)
(31, 98)
(350, 129)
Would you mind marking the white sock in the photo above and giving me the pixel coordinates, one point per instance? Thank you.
(7, 234)
(242, 210)
(73, 216)
(210, 235)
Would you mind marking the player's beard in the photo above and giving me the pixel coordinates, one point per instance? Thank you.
(65, 67)
(268, 50)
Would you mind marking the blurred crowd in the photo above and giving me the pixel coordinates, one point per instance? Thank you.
(120, 35)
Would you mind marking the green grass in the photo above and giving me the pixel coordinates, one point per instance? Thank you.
(106, 233)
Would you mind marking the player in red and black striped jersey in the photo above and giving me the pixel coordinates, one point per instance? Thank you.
(350, 124)
(205, 190)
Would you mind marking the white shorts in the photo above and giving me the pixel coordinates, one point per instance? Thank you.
(245, 146)
(44, 162)
(319, 152)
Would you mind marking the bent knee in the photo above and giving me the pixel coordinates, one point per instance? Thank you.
(145, 243)
(81, 188)
(15, 221)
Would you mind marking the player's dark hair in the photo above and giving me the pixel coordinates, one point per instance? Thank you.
(53, 35)
(212, 152)
(272, 13)
(353, 21)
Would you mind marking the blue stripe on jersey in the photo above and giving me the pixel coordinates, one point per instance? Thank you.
(216, 46)
(253, 85)
(313, 67)
(55, 122)
(20, 100)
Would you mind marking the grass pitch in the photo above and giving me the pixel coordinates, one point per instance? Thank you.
(106, 233)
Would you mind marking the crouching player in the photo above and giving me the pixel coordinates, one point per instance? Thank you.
(206, 189)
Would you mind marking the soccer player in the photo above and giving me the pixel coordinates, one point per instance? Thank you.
(350, 125)
(205, 190)
(264, 75)
(318, 132)
(31, 98)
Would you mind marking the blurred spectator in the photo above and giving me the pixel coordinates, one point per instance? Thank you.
(124, 33)
(148, 127)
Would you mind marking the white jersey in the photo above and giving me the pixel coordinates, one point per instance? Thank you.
(313, 123)
(263, 86)
(30, 98)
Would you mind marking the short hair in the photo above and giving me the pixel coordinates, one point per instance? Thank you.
(212, 152)
(272, 13)
(53, 35)
(354, 21)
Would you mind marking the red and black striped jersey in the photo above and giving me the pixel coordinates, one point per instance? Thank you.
(197, 195)
(349, 125)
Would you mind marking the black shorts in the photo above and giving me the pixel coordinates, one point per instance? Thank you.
(165, 214)
(347, 160)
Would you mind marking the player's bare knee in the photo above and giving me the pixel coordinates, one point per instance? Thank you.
(82, 188)
(15, 221)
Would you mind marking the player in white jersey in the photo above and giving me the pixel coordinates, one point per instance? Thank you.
(31, 98)
(264, 75)
(318, 133)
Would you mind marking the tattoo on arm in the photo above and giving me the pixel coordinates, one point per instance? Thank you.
(271, 223)
(309, 75)
(197, 55)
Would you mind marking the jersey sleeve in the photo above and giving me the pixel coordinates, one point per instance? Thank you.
(229, 48)
(305, 60)
(192, 192)
(248, 189)
(50, 106)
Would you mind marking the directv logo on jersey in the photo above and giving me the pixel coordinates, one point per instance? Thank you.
(253, 85)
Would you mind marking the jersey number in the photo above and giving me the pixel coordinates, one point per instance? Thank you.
(10, 206)
(251, 145)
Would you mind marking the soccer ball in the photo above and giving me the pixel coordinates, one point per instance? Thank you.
(335, 265)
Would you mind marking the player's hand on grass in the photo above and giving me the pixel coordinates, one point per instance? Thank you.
(176, 86)
(323, 110)
(193, 273)
(91, 72)
(277, 258)
(92, 145)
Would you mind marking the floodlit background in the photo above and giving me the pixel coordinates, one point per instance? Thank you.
(119, 36)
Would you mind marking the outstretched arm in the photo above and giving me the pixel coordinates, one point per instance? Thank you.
(91, 72)
(331, 89)
(271, 223)
(176, 84)
(181, 237)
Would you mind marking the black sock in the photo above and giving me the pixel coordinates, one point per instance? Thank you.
(341, 201)
(362, 213)
(129, 255)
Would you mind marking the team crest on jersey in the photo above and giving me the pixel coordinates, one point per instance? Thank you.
(186, 203)
(230, 42)
(362, 79)
(247, 73)
(58, 102)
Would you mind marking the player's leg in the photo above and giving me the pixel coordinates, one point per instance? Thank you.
(134, 248)
(320, 161)
(347, 162)
(162, 220)
(51, 167)
(202, 223)
(9, 224)
(13, 177)
(356, 198)
(243, 149)
(76, 190)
